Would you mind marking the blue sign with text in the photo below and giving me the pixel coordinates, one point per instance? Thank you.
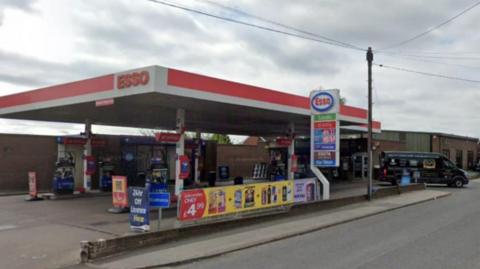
(139, 209)
(160, 199)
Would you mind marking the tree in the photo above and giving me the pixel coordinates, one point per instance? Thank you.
(220, 139)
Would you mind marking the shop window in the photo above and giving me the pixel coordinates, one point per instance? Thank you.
(470, 163)
(413, 163)
(459, 158)
(446, 152)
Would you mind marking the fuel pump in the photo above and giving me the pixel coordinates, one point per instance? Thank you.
(106, 169)
(277, 167)
(157, 177)
(63, 179)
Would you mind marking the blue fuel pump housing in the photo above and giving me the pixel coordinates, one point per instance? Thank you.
(105, 178)
(63, 179)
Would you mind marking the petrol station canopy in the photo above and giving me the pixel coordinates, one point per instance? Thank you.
(149, 97)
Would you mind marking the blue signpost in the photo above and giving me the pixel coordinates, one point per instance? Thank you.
(159, 200)
(139, 209)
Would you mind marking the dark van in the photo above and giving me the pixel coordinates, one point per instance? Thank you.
(422, 167)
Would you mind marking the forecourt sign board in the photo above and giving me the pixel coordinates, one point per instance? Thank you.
(325, 129)
(209, 202)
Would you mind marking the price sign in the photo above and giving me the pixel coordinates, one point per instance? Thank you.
(192, 205)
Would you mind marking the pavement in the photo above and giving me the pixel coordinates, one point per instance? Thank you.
(47, 234)
(190, 250)
(442, 234)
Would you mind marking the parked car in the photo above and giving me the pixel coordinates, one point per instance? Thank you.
(421, 167)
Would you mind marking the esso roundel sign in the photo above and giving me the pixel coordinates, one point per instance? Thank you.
(322, 102)
(133, 79)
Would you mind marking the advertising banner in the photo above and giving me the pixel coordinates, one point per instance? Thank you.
(184, 166)
(305, 190)
(91, 165)
(119, 191)
(168, 137)
(283, 141)
(139, 209)
(210, 202)
(325, 133)
(32, 184)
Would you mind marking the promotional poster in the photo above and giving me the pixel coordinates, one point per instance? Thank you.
(119, 191)
(139, 209)
(201, 203)
(305, 190)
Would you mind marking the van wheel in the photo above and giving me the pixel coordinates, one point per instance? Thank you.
(458, 182)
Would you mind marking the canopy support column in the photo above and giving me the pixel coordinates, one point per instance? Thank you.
(198, 153)
(87, 151)
(180, 149)
(291, 151)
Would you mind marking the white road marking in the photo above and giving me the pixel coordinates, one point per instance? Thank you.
(7, 227)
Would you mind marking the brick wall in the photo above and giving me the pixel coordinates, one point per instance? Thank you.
(241, 158)
(385, 145)
(450, 145)
(20, 154)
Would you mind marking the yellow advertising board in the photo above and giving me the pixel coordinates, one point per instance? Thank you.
(119, 191)
(233, 199)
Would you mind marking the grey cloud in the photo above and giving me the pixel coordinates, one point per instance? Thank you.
(32, 72)
(25, 5)
(136, 33)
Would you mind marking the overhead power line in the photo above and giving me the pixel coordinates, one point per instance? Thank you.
(427, 74)
(446, 57)
(251, 24)
(431, 29)
(244, 13)
(409, 58)
(423, 52)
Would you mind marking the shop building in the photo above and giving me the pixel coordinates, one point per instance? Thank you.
(462, 150)
(168, 99)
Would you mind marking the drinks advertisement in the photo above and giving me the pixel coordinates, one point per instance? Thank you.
(209, 202)
(305, 190)
(325, 132)
(119, 191)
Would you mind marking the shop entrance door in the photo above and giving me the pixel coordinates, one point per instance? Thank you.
(360, 165)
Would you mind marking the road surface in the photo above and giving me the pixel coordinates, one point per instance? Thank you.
(437, 234)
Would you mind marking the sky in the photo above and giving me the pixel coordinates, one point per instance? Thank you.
(45, 42)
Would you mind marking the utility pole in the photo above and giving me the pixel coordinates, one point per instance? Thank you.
(369, 143)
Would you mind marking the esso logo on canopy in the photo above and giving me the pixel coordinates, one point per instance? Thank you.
(133, 79)
(322, 101)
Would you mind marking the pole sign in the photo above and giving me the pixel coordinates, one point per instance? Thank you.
(325, 131)
(139, 209)
(119, 191)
